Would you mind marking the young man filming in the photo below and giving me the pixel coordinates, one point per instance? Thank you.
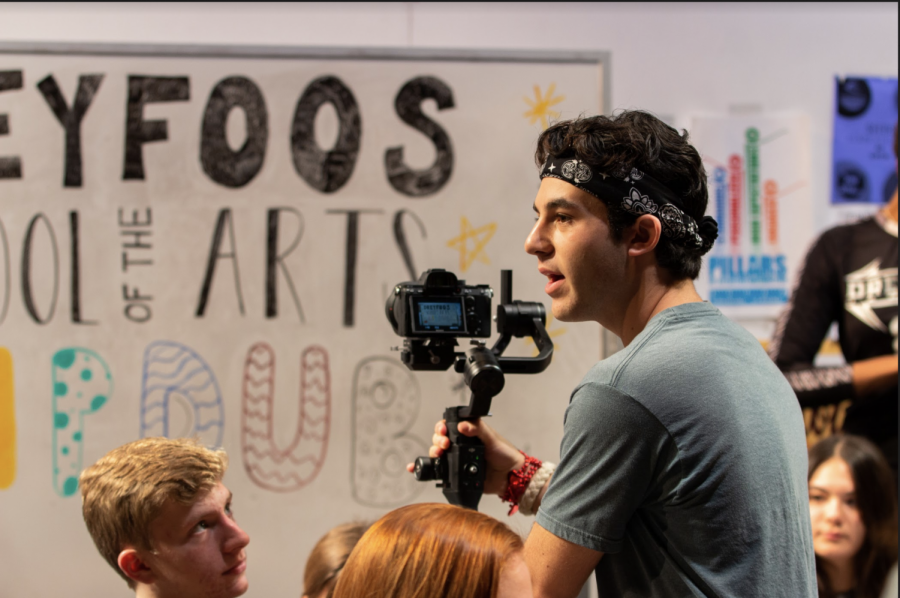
(683, 461)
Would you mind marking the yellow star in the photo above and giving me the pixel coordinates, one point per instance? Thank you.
(480, 236)
(540, 107)
(551, 333)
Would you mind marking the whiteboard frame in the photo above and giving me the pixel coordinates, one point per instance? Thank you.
(602, 58)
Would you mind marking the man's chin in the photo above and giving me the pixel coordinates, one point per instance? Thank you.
(561, 312)
(241, 587)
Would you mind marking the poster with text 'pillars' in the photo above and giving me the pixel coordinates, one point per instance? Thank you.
(203, 246)
(759, 193)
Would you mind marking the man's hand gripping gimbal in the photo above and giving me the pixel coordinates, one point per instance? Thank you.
(431, 314)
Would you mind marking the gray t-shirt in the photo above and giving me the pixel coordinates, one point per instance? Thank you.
(684, 460)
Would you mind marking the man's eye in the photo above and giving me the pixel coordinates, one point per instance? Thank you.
(203, 525)
(563, 218)
(228, 511)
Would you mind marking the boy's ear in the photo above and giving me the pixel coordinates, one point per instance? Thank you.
(134, 567)
(643, 236)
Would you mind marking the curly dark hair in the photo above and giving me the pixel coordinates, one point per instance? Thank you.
(634, 138)
(877, 502)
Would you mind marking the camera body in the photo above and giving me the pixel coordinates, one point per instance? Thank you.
(438, 305)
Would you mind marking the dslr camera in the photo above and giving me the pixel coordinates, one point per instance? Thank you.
(430, 314)
(433, 312)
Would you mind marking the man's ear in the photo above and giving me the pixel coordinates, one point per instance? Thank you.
(133, 566)
(643, 235)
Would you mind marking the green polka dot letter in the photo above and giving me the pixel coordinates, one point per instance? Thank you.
(81, 385)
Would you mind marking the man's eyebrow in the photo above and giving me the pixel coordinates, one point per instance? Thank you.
(558, 203)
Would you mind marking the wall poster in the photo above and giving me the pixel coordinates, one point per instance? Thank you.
(759, 174)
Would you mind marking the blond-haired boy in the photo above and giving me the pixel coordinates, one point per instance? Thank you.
(159, 514)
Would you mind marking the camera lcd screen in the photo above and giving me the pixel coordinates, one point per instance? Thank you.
(438, 315)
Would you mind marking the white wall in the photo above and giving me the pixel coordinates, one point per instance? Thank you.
(675, 59)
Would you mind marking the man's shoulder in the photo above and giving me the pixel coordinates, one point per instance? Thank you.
(679, 337)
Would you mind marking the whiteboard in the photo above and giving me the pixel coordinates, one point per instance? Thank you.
(200, 241)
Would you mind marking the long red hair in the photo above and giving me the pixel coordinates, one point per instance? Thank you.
(429, 551)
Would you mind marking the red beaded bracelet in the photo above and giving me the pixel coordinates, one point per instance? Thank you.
(518, 480)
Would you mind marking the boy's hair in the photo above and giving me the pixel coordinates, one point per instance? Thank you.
(637, 139)
(125, 490)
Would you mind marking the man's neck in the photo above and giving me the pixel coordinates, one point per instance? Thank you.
(653, 296)
(144, 591)
(147, 591)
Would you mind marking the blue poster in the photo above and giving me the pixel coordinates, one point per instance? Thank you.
(865, 113)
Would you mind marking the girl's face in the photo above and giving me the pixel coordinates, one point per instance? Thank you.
(837, 526)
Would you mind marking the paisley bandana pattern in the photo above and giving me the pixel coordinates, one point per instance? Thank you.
(640, 194)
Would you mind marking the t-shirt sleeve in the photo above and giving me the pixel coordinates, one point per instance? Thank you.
(608, 462)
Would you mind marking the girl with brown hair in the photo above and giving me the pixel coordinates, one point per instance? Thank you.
(853, 511)
(436, 551)
(327, 559)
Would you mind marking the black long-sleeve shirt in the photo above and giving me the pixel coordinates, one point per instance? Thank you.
(849, 277)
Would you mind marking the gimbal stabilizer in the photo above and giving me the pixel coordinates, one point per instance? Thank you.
(440, 309)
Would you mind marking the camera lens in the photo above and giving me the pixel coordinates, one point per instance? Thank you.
(425, 469)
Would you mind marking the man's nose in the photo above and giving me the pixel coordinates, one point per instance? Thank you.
(536, 241)
(237, 537)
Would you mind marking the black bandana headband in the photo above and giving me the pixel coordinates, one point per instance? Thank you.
(641, 194)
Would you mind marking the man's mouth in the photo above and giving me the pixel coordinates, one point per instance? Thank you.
(554, 281)
(237, 569)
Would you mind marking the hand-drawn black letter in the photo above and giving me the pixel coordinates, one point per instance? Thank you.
(222, 221)
(10, 167)
(274, 258)
(76, 272)
(326, 171)
(400, 238)
(220, 162)
(70, 119)
(4, 244)
(146, 90)
(350, 261)
(27, 294)
(418, 183)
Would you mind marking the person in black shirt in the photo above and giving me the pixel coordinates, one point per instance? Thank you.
(849, 277)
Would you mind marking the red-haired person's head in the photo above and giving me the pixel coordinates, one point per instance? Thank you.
(436, 550)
